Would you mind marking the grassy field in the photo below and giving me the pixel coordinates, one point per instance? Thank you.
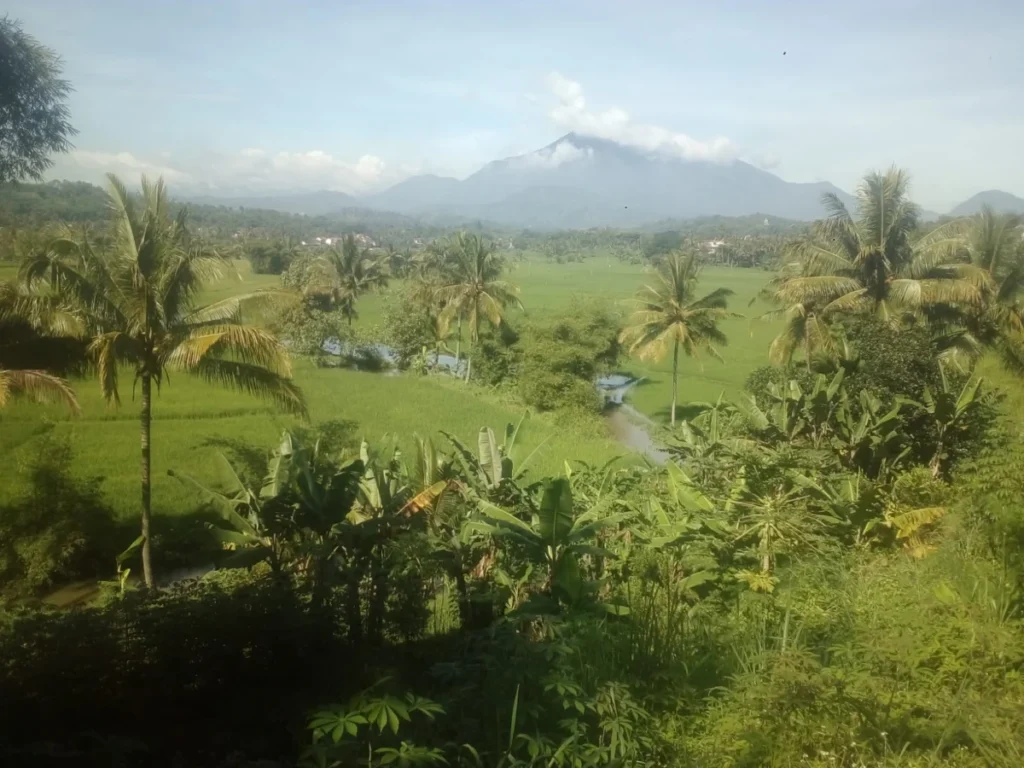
(193, 422)
(548, 289)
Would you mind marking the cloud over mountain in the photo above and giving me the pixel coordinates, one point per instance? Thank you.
(571, 113)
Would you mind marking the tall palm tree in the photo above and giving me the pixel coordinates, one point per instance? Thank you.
(342, 276)
(139, 293)
(473, 289)
(872, 262)
(995, 249)
(668, 316)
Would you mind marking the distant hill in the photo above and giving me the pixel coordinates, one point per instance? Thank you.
(77, 202)
(73, 202)
(999, 200)
(581, 181)
(308, 203)
(415, 192)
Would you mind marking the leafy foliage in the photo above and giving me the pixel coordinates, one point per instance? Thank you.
(561, 360)
(33, 109)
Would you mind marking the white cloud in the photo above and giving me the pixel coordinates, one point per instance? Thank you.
(571, 113)
(249, 170)
(552, 157)
(122, 164)
(767, 161)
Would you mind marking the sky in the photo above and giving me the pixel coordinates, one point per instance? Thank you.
(260, 96)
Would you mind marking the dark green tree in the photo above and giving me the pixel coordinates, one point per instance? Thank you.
(33, 111)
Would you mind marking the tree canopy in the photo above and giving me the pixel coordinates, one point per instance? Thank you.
(34, 117)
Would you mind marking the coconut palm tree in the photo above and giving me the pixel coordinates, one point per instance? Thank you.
(805, 328)
(995, 248)
(872, 262)
(473, 289)
(139, 294)
(341, 276)
(668, 316)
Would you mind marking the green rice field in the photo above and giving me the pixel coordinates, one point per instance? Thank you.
(194, 422)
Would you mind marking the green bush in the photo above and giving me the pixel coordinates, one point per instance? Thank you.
(892, 362)
(59, 530)
(497, 357)
(270, 257)
(561, 360)
(234, 653)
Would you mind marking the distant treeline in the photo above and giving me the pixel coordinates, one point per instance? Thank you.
(30, 206)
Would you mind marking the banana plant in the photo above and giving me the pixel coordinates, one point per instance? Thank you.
(556, 536)
(949, 412)
(685, 513)
(875, 442)
(794, 413)
(387, 499)
(822, 403)
(709, 439)
(258, 529)
(492, 468)
(850, 498)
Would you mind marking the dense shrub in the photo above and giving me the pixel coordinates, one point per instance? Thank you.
(562, 359)
(890, 362)
(210, 665)
(498, 356)
(410, 327)
(269, 257)
(60, 529)
(310, 330)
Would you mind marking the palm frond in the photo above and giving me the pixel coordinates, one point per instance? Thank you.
(915, 294)
(110, 350)
(819, 289)
(183, 274)
(36, 385)
(253, 380)
(230, 310)
(717, 299)
(239, 342)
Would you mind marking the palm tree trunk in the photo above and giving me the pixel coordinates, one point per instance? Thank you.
(353, 608)
(675, 380)
(147, 414)
(458, 346)
(469, 366)
(378, 600)
(463, 590)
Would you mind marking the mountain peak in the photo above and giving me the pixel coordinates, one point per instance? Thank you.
(1002, 202)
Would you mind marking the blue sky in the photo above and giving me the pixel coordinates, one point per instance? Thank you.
(233, 95)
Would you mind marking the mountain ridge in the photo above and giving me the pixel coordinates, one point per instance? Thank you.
(1003, 202)
(580, 181)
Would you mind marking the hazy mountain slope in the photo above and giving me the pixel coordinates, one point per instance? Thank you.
(581, 181)
(415, 193)
(309, 203)
(1001, 201)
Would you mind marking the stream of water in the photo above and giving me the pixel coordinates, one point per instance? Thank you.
(627, 425)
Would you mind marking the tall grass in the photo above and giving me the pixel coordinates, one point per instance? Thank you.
(194, 421)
